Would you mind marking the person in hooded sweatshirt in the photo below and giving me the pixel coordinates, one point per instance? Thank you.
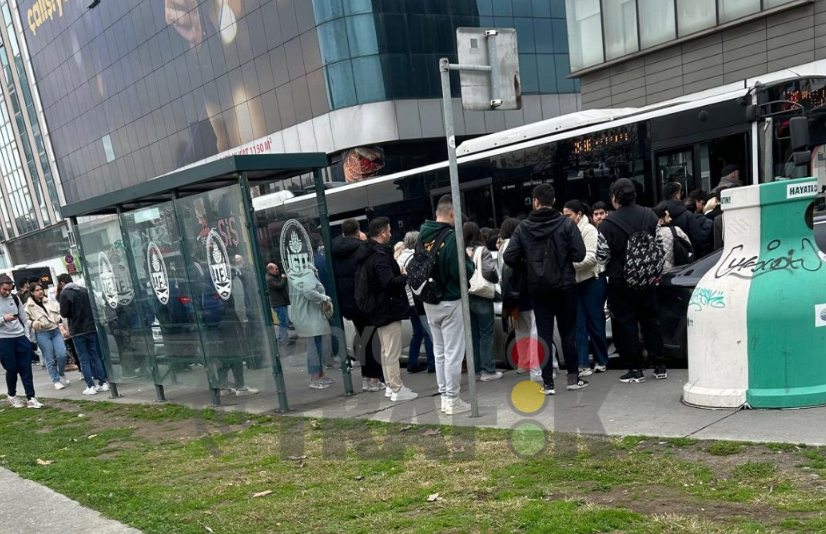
(365, 344)
(388, 289)
(77, 309)
(548, 244)
(684, 220)
(418, 319)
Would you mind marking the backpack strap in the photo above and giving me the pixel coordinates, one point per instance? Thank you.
(439, 241)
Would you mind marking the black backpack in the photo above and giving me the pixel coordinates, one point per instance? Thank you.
(365, 299)
(422, 271)
(683, 251)
(644, 258)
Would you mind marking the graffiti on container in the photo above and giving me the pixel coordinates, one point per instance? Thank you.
(707, 298)
(773, 260)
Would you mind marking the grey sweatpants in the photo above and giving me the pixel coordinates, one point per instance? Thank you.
(446, 324)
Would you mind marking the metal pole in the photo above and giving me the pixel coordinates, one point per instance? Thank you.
(324, 222)
(444, 67)
(249, 222)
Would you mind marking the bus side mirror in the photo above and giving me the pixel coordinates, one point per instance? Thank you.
(799, 133)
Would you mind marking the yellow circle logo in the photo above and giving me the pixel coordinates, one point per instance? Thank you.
(527, 397)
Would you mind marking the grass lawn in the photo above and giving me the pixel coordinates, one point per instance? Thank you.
(167, 469)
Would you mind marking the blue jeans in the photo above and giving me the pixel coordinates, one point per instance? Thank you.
(590, 322)
(91, 362)
(481, 324)
(315, 351)
(421, 332)
(54, 352)
(282, 312)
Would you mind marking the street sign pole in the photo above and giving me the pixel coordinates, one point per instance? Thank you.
(500, 64)
(447, 99)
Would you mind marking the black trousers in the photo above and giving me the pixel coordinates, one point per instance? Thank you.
(366, 346)
(559, 306)
(16, 357)
(632, 309)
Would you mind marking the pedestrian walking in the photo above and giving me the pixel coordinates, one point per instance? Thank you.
(76, 308)
(590, 321)
(418, 319)
(365, 343)
(482, 292)
(380, 294)
(437, 241)
(44, 316)
(279, 299)
(548, 244)
(633, 259)
(15, 348)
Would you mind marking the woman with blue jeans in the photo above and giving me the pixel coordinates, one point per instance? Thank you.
(44, 316)
(591, 292)
(418, 319)
(481, 308)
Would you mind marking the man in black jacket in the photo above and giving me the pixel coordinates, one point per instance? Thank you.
(387, 288)
(279, 299)
(547, 244)
(344, 254)
(685, 221)
(630, 307)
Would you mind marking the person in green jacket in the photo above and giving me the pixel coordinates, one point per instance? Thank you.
(445, 318)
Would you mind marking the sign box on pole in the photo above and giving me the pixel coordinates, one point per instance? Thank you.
(500, 88)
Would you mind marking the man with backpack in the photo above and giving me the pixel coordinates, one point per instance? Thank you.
(546, 245)
(433, 275)
(380, 294)
(682, 219)
(633, 256)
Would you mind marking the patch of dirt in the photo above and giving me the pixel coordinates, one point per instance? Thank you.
(659, 500)
(43, 430)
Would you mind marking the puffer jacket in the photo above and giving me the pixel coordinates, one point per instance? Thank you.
(667, 238)
(589, 267)
(43, 320)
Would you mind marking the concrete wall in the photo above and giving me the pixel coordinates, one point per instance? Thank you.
(757, 47)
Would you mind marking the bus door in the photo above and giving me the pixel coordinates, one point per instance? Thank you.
(699, 165)
(477, 201)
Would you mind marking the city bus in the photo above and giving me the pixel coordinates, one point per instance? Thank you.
(687, 140)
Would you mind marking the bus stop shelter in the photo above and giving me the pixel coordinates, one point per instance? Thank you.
(175, 269)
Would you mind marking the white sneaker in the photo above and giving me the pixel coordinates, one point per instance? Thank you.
(521, 371)
(388, 392)
(91, 390)
(318, 384)
(585, 371)
(103, 388)
(16, 402)
(59, 385)
(373, 387)
(536, 375)
(65, 381)
(455, 406)
(34, 403)
(444, 403)
(600, 368)
(403, 394)
(226, 392)
(365, 385)
(327, 380)
(487, 377)
(244, 391)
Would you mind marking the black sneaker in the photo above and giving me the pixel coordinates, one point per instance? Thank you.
(632, 377)
(548, 389)
(577, 383)
(414, 370)
(660, 373)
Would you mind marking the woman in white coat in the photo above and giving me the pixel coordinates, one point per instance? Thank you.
(590, 313)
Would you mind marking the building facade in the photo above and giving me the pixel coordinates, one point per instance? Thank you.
(135, 89)
(631, 53)
(30, 194)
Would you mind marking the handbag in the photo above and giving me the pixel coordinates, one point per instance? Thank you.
(478, 285)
